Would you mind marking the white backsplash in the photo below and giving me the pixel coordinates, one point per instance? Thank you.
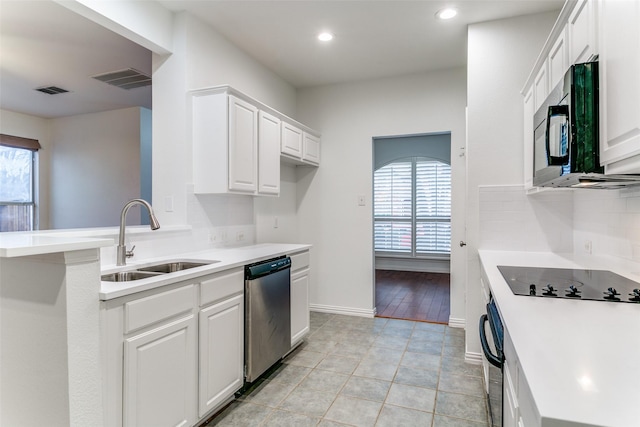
(608, 221)
(512, 221)
(598, 222)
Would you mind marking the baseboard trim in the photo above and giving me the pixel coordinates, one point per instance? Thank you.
(349, 311)
(456, 323)
(473, 358)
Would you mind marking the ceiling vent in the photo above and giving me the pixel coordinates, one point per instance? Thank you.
(51, 90)
(125, 79)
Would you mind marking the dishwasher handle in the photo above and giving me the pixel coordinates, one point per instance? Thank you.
(264, 268)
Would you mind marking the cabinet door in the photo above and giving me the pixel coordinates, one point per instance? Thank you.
(541, 86)
(299, 305)
(160, 374)
(558, 60)
(221, 352)
(268, 154)
(243, 145)
(510, 401)
(311, 149)
(291, 140)
(528, 138)
(582, 32)
(619, 44)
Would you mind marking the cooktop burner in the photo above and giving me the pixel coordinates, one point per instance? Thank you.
(598, 285)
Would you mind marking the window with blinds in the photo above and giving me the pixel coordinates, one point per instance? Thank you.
(412, 207)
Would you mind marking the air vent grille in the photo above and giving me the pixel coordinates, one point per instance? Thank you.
(51, 90)
(125, 79)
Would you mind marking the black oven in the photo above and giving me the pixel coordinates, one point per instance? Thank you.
(492, 347)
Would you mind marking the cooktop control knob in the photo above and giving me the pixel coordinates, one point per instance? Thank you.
(549, 291)
(532, 289)
(573, 292)
(612, 294)
(635, 295)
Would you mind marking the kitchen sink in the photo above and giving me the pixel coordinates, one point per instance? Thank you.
(172, 267)
(153, 270)
(127, 276)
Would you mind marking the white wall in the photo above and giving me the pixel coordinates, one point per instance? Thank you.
(95, 168)
(26, 126)
(275, 217)
(203, 58)
(500, 57)
(349, 116)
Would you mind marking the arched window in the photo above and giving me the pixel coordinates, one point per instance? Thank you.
(412, 207)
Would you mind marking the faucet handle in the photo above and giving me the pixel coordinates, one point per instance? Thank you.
(129, 254)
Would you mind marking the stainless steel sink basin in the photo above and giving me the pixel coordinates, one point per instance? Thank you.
(153, 270)
(127, 276)
(172, 267)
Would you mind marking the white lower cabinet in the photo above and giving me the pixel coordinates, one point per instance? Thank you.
(299, 296)
(176, 354)
(160, 375)
(221, 352)
(509, 400)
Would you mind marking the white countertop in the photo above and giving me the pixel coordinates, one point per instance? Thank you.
(39, 243)
(227, 258)
(581, 359)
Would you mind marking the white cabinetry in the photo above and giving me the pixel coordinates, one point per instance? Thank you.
(291, 141)
(582, 32)
(238, 143)
(541, 85)
(269, 135)
(225, 136)
(221, 339)
(242, 145)
(159, 375)
(169, 360)
(558, 60)
(300, 146)
(311, 149)
(159, 368)
(529, 111)
(619, 45)
(299, 296)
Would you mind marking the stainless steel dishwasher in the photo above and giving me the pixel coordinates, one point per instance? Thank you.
(267, 315)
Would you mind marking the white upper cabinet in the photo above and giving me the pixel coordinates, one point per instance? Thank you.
(291, 140)
(529, 111)
(541, 85)
(299, 146)
(238, 143)
(311, 149)
(619, 45)
(269, 136)
(243, 145)
(582, 32)
(558, 60)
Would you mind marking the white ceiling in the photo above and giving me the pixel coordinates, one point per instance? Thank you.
(42, 43)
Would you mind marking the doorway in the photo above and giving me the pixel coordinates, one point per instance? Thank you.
(412, 226)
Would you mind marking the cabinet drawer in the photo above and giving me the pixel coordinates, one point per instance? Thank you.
(159, 307)
(299, 260)
(222, 285)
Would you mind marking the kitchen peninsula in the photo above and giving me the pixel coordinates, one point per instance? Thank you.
(52, 293)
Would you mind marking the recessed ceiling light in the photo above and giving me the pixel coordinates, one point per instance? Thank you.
(446, 13)
(325, 37)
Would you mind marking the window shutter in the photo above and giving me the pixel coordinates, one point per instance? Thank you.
(394, 213)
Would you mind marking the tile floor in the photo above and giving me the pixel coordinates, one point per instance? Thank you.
(354, 371)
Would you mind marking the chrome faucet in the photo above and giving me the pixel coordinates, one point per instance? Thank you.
(123, 253)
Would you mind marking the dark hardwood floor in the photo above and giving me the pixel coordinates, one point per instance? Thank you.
(413, 295)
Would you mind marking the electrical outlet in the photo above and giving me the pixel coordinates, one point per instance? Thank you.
(240, 236)
(275, 222)
(588, 246)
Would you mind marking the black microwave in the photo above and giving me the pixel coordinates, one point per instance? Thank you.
(566, 132)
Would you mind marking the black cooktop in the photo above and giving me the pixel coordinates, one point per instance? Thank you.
(598, 285)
